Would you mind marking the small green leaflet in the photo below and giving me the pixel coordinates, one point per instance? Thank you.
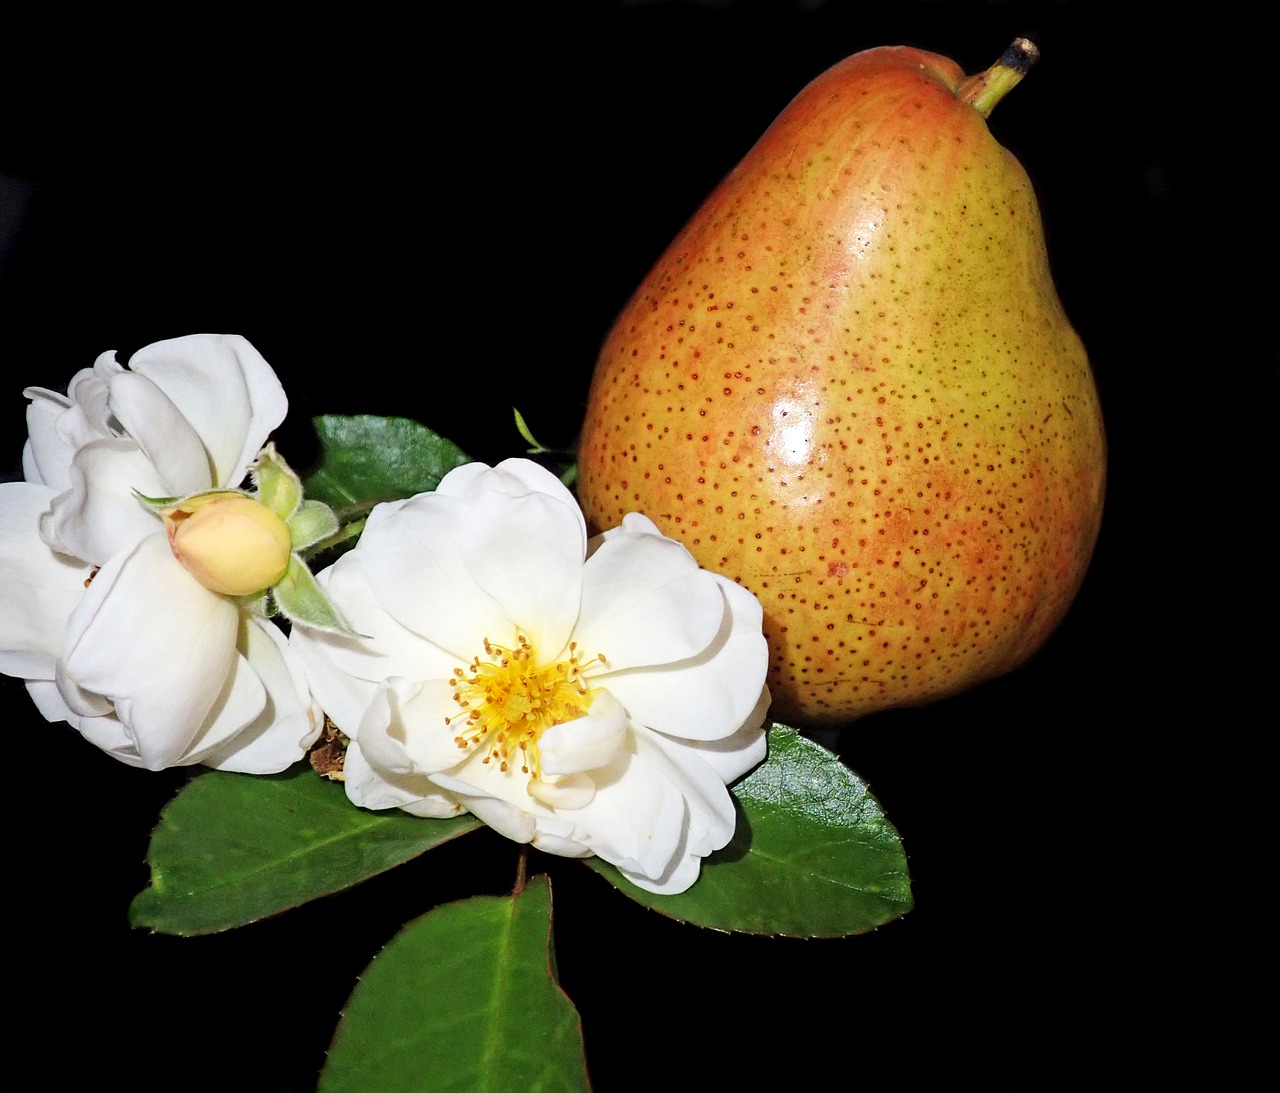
(366, 459)
(464, 997)
(234, 848)
(813, 855)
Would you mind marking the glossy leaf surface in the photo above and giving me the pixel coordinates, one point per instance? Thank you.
(366, 459)
(234, 848)
(464, 997)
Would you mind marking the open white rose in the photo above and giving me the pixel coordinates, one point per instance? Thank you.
(586, 697)
(110, 631)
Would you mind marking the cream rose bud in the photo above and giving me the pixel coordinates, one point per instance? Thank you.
(588, 696)
(229, 542)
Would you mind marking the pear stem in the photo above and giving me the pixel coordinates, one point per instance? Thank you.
(984, 90)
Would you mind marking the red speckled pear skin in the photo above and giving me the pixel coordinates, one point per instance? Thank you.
(849, 385)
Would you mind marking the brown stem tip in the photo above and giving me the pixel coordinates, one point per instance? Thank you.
(1021, 55)
(984, 90)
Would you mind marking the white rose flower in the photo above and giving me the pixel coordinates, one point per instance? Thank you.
(585, 697)
(113, 633)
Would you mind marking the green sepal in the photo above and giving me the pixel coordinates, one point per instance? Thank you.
(302, 600)
(163, 505)
(312, 522)
(259, 604)
(279, 488)
(156, 503)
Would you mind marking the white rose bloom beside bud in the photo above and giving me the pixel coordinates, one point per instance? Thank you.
(588, 697)
(131, 620)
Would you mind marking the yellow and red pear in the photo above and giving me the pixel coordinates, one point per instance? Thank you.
(850, 386)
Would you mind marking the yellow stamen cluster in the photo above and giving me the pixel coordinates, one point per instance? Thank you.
(509, 701)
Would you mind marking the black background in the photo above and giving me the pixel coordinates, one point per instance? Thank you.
(443, 224)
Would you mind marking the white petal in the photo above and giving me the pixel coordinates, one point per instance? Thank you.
(646, 602)
(713, 694)
(105, 369)
(161, 646)
(241, 704)
(342, 696)
(163, 434)
(526, 553)
(515, 823)
(100, 516)
(513, 477)
(637, 819)
(634, 523)
(435, 805)
(368, 788)
(225, 389)
(386, 648)
(291, 720)
(404, 729)
(44, 694)
(712, 817)
(413, 560)
(535, 578)
(563, 846)
(46, 458)
(79, 700)
(682, 871)
(732, 756)
(89, 416)
(588, 743)
(104, 732)
(573, 791)
(38, 588)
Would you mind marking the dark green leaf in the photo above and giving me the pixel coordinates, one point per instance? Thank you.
(232, 848)
(464, 998)
(813, 856)
(365, 459)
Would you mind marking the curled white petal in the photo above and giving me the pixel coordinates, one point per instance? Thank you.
(705, 697)
(38, 587)
(514, 477)
(646, 602)
(104, 731)
(161, 648)
(289, 722)
(590, 743)
(163, 434)
(388, 729)
(224, 388)
(569, 791)
(375, 789)
(100, 515)
(46, 458)
(732, 756)
(711, 814)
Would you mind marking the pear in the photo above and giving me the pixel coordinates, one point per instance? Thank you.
(849, 385)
